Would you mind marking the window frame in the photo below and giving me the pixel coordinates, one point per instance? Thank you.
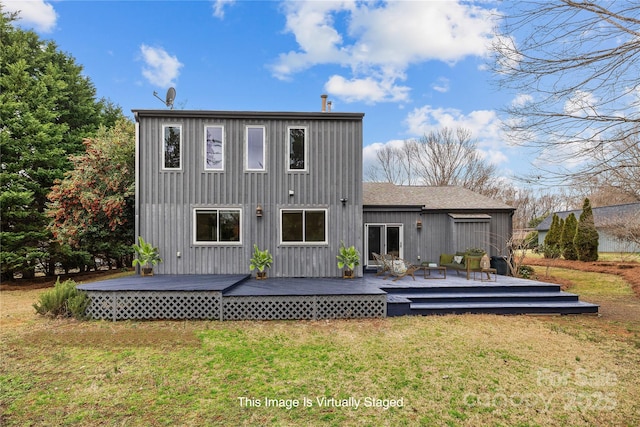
(216, 209)
(222, 143)
(264, 148)
(164, 150)
(305, 148)
(325, 242)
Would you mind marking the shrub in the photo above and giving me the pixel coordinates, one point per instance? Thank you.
(525, 271)
(64, 300)
(568, 235)
(586, 240)
(552, 239)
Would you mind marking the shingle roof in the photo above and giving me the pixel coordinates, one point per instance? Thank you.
(437, 198)
(599, 214)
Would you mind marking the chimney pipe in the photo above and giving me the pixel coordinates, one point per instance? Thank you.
(329, 107)
(324, 102)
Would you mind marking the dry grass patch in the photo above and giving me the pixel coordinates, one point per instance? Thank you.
(446, 370)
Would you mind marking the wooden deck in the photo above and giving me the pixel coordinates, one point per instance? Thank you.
(168, 282)
(237, 297)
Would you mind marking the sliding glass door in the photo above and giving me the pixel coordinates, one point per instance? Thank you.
(383, 239)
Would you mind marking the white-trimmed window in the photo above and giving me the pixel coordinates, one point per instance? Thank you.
(213, 148)
(296, 149)
(303, 226)
(255, 148)
(172, 147)
(217, 226)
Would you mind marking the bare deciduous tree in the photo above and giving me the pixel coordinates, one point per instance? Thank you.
(575, 64)
(448, 157)
(445, 157)
(625, 229)
(617, 172)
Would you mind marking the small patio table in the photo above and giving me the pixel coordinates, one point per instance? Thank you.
(429, 268)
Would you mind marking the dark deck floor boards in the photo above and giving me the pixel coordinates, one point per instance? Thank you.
(274, 286)
(168, 282)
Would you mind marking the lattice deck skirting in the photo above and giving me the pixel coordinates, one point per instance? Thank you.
(303, 307)
(121, 305)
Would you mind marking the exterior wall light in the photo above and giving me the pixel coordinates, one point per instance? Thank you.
(419, 224)
(259, 211)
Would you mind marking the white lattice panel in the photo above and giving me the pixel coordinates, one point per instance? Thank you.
(122, 305)
(268, 308)
(303, 307)
(154, 305)
(351, 306)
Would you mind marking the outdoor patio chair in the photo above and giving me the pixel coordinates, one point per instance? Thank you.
(401, 268)
(384, 263)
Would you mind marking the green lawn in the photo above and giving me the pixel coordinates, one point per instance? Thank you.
(591, 284)
(466, 370)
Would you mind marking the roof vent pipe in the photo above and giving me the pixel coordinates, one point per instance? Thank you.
(329, 107)
(324, 102)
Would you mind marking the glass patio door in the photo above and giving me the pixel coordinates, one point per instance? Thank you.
(383, 239)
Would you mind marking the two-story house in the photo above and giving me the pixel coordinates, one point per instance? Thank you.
(211, 184)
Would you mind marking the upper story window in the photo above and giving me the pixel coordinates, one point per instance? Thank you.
(297, 149)
(214, 148)
(303, 226)
(213, 226)
(255, 148)
(172, 147)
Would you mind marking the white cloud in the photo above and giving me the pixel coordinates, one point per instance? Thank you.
(378, 41)
(508, 59)
(37, 13)
(484, 125)
(581, 104)
(219, 7)
(367, 90)
(521, 100)
(441, 85)
(161, 69)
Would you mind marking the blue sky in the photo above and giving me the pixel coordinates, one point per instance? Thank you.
(410, 66)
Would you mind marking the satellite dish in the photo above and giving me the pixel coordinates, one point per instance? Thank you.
(168, 100)
(171, 95)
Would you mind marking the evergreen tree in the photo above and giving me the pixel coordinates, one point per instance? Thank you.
(586, 240)
(567, 238)
(552, 239)
(46, 108)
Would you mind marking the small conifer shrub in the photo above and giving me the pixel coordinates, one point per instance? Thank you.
(64, 300)
(586, 240)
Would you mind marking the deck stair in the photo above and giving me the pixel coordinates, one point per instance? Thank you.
(495, 298)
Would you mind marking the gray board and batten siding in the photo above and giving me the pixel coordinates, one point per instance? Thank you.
(451, 219)
(331, 182)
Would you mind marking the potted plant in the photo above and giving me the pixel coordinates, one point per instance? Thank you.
(260, 261)
(349, 259)
(147, 256)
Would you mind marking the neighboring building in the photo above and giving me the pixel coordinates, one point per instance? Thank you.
(211, 184)
(418, 223)
(601, 217)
